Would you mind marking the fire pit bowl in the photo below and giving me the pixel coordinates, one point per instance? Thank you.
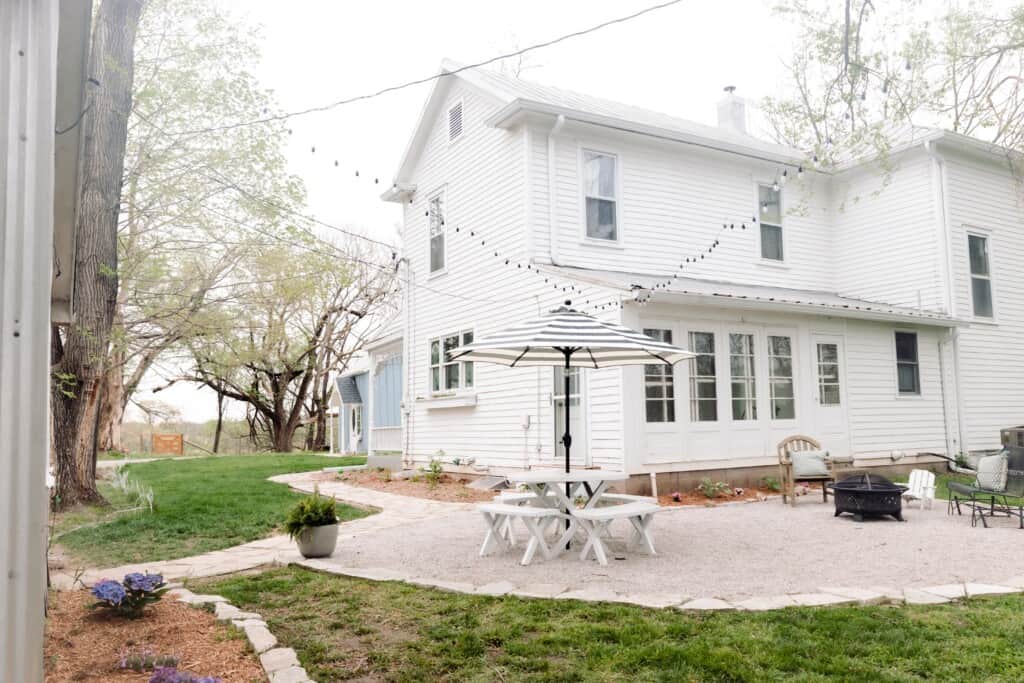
(868, 495)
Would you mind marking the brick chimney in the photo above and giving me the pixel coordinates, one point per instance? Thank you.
(732, 111)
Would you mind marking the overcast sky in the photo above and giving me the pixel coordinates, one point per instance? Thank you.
(675, 60)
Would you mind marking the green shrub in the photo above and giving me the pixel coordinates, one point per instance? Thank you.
(433, 472)
(311, 511)
(712, 489)
(771, 483)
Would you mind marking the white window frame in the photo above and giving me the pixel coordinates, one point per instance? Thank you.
(793, 369)
(756, 364)
(781, 224)
(666, 379)
(442, 366)
(439, 196)
(582, 162)
(716, 335)
(917, 364)
(356, 422)
(971, 276)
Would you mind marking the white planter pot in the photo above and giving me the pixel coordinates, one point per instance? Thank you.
(318, 541)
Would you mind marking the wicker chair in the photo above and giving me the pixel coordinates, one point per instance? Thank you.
(794, 444)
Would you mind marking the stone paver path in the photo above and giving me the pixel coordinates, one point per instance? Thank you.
(394, 511)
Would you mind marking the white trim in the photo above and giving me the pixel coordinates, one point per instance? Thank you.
(986, 235)
(582, 151)
(442, 391)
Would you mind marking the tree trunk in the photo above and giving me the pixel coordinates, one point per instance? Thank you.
(220, 422)
(84, 351)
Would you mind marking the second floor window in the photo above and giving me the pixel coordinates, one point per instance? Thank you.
(659, 384)
(446, 374)
(770, 212)
(599, 190)
(435, 217)
(981, 277)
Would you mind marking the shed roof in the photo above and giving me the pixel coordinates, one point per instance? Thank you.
(743, 295)
(347, 388)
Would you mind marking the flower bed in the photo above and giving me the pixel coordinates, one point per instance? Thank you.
(83, 644)
(448, 488)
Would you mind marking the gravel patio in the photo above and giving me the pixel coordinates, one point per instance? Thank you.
(734, 552)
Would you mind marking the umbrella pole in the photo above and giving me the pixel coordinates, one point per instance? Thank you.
(567, 437)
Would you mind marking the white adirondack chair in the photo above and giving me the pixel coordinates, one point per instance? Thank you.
(921, 488)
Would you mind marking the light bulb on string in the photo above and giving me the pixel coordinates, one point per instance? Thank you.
(775, 186)
(799, 172)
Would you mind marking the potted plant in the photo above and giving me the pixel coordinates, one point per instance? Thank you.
(313, 523)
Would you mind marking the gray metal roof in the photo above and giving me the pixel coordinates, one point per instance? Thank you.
(348, 390)
(752, 295)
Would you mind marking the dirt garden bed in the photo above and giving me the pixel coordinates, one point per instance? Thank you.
(448, 488)
(87, 645)
(728, 494)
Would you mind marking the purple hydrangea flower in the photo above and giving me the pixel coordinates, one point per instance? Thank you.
(109, 591)
(170, 674)
(143, 582)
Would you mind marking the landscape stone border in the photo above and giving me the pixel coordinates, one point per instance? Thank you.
(281, 664)
(826, 595)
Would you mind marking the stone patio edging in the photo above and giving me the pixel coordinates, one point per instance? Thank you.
(827, 595)
(281, 664)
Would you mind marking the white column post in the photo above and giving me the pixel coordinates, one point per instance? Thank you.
(28, 72)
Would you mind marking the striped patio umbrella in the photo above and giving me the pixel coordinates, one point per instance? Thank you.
(568, 338)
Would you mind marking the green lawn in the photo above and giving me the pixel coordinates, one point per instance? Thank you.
(351, 629)
(201, 505)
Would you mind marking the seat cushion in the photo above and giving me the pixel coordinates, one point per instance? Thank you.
(809, 464)
(992, 473)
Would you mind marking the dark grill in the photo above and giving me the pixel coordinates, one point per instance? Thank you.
(868, 495)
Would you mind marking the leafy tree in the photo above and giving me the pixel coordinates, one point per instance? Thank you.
(863, 74)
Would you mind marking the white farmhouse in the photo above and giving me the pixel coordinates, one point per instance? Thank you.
(878, 311)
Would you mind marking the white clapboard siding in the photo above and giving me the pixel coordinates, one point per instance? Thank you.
(985, 198)
(887, 245)
(673, 201)
(483, 176)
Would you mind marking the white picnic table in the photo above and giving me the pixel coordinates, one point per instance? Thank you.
(552, 483)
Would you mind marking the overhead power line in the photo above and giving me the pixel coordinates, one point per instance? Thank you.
(419, 81)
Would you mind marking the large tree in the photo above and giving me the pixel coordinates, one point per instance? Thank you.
(300, 308)
(864, 72)
(80, 350)
(187, 196)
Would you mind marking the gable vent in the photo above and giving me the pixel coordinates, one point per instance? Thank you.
(455, 122)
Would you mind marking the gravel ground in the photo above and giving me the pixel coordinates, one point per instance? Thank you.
(731, 551)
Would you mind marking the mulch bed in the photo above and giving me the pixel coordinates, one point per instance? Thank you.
(750, 494)
(86, 645)
(449, 489)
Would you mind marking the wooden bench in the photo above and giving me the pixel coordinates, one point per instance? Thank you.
(535, 519)
(595, 521)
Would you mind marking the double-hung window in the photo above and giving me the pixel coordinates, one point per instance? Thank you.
(448, 375)
(659, 384)
(435, 217)
(703, 380)
(981, 277)
(780, 377)
(908, 371)
(741, 368)
(770, 210)
(600, 196)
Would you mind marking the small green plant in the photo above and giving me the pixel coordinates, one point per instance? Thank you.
(961, 460)
(311, 511)
(145, 659)
(386, 474)
(712, 489)
(771, 483)
(433, 472)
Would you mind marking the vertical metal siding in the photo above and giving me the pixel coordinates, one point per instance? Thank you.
(387, 393)
(28, 64)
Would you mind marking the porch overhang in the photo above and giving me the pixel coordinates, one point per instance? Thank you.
(742, 296)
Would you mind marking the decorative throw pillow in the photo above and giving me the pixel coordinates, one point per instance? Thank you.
(992, 472)
(809, 464)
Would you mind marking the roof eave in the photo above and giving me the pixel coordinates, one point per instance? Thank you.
(511, 114)
(399, 193)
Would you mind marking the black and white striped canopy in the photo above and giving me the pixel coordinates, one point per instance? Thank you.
(592, 343)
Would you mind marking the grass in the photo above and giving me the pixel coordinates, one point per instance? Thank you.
(352, 629)
(943, 480)
(200, 505)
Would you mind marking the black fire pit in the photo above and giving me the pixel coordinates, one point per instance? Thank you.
(868, 495)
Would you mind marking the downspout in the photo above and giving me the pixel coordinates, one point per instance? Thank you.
(408, 402)
(953, 338)
(552, 190)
